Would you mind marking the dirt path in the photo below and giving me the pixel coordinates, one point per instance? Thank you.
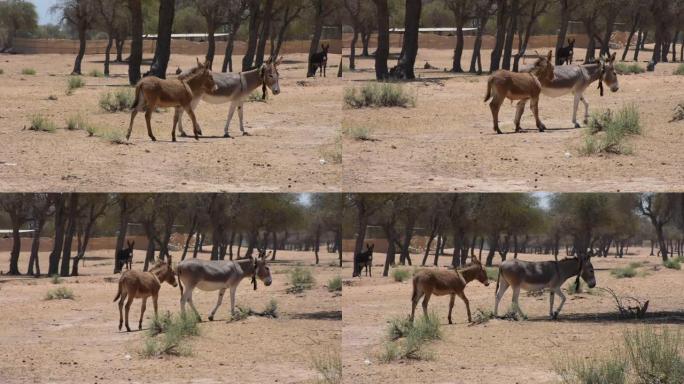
(446, 143)
(500, 351)
(291, 134)
(65, 341)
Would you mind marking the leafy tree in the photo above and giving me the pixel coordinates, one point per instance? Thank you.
(16, 16)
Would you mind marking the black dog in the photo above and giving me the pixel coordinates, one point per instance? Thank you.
(364, 259)
(319, 60)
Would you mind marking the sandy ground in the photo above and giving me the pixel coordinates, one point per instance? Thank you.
(290, 135)
(446, 143)
(65, 341)
(500, 351)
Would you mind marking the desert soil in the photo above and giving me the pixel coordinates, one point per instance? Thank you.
(77, 341)
(447, 143)
(502, 351)
(291, 134)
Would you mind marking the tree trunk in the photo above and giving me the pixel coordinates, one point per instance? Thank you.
(118, 44)
(265, 32)
(121, 235)
(360, 234)
(476, 60)
(632, 31)
(352, 50)
(407, 61)
(563, 30)
(501, 23)
(162, 51)
(382, 52)
(228, 56)
(108, 50)
(35, 248)
(254, 22)
(211, 41)
(365, 41)
(81, 50)
(317, 241)
(458, 51)
(639, 44)
(510, 35)
(16, 247)
(53, 262)
(135, 59)
(69, 235)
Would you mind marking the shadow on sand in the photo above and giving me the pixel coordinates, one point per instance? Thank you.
(660, 317)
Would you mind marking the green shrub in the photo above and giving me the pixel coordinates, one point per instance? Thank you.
(55, 279)
(74, 82)
(680, 70)
(592, 371)
(95, 73)
(28, 71)
(411, 338)
(121, 100)
(628, 69)
(656, 357)
(53, 98)
(333, 152)
(672, 264)
(241, 313)
(625, 272)
(2, 71)
(378, 95)
(335, 284)
(76, 123)
(271, 309)
(358, 133)
(114, 136)
(329, 367)
(400, 275)
(61, 293)
(301, 279)
(167, 335)
(607, 131)
(42, 124)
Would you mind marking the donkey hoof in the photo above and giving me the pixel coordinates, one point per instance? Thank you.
(246, 134)
(211, 318)
(153, 138)
(577, 125)
(128, 329)
(555, 316)
(173, 139)
(227, 136)
(182, 134)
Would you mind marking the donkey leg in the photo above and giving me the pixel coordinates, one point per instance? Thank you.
(503, 286)
(232, 299)
(240, 115)
(535, 110)
(130, 126)
(560, 307)
(575, 106)
(426, 300)
(516, 295)
(467, 304)
(128, 309)
(414, 303)
(121, 304)
(180, 122)
(231, 111)
(176, 115)
(451, 306)
(586, 109)
(195, 125)
(551, 297)
(142, 312)
(495, 105)
(192, 305)
(218, 303)
(148, 121)
(520, 109)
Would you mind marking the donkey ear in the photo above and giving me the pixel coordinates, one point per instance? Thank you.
(270, 60)
(278, 61)
(207, 63)
(612, 58)
(198, 62)
(132, 243)
(550, 56)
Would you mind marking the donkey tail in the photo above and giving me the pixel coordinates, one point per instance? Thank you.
(180, 284)
(498, 276)
(489, 89)
(118, 294)
(136, 102)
